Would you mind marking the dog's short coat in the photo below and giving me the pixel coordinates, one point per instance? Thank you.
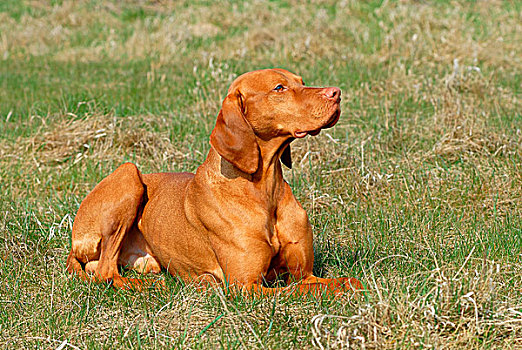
(236, 220)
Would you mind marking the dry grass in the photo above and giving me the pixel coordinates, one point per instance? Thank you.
(417, 191)
(458, 311)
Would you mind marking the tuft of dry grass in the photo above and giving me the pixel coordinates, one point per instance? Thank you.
(459, 310)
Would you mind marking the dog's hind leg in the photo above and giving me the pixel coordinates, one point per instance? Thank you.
(105, 217)
(74, 266)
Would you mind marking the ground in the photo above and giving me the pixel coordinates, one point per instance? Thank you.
(417, 191)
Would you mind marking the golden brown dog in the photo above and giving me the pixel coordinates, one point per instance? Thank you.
(236, 220)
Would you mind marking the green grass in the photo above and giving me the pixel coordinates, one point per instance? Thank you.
(417, 191)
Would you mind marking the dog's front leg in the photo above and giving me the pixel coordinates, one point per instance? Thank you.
(296, 256)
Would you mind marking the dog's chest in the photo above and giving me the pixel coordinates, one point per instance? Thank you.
(274, 242)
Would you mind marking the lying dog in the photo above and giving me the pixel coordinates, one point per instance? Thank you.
(236, 220)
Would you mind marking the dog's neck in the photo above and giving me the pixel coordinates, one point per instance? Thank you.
(269, 176)
(271, 151)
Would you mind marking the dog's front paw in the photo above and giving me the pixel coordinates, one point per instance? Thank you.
(353, 284)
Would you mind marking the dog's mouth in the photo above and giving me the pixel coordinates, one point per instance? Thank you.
(333, 119)
(331, 122)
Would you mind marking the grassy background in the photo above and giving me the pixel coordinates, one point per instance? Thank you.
(417, 191)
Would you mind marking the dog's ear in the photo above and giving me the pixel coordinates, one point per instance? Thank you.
(233, 138)
(286, 157)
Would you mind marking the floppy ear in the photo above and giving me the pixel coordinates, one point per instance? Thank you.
(233, 138)
(286, 157)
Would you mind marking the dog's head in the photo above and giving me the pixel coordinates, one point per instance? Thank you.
(267, 105)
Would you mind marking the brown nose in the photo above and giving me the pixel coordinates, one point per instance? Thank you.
(332, 93)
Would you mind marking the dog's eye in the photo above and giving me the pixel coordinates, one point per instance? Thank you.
(279, 87)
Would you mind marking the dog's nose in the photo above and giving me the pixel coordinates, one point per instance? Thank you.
(332, 93)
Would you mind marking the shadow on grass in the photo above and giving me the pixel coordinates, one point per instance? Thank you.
(328, 254)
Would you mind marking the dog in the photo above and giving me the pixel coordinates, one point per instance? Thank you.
(234, 222)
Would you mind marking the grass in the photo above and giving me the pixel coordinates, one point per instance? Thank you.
(417, 191)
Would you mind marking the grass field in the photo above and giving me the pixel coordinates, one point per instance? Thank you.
(417, 191)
